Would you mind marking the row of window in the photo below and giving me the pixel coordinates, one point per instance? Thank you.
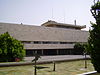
(46, 42)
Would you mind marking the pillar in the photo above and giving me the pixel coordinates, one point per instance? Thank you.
(42, 52)
(57, 52)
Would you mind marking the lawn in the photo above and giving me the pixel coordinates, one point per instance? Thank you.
(62, 68)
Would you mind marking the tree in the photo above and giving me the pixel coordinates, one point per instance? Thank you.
(10, 48)
(35, 60)
(79, 48)
(93, 46)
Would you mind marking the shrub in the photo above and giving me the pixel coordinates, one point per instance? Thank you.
(10, 48)
(79, 48)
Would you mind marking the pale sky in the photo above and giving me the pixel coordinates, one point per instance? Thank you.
(36, 12)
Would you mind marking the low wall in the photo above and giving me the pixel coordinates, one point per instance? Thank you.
(40, 62)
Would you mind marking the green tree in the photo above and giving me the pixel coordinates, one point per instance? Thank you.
(93, 46)
(79, 48)
(10, 48)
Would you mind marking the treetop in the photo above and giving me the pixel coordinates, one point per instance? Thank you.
(96, 6)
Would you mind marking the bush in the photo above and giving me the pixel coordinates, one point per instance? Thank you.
(79, 48)
(10, 48)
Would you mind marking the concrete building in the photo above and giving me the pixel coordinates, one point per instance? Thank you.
(51, 38)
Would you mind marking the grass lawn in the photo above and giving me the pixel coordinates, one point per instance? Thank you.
(62, 68)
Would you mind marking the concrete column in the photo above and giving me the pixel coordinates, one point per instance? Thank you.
(57, 52)
(36, 52)
(42, 52)
(70, 52)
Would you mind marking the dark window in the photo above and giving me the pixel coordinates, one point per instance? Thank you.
(46, 42)
(26, 42)
(37, 42)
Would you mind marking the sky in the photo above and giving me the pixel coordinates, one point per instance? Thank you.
(37, 12)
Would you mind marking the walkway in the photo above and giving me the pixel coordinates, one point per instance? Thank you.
(56, 58)
(45, 59)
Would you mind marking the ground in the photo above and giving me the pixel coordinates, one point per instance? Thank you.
(62, 68)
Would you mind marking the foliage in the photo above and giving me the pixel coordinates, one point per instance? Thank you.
(93, 46)
(10, 48)
(96, 6)
(79, 48)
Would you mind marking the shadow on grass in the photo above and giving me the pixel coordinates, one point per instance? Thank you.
(41, 67)
(51, 71)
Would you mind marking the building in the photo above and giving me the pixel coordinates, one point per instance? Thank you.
(51, 38)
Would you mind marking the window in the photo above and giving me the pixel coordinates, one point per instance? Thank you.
(46, 42)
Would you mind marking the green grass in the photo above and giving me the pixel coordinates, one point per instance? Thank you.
(18, 70)
(63, 68)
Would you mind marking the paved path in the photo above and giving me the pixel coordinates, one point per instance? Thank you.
(45, 59)
(56, 58)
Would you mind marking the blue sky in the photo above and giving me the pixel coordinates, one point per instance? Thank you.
(36, 12)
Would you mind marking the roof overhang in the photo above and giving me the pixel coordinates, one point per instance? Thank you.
(55, 24)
